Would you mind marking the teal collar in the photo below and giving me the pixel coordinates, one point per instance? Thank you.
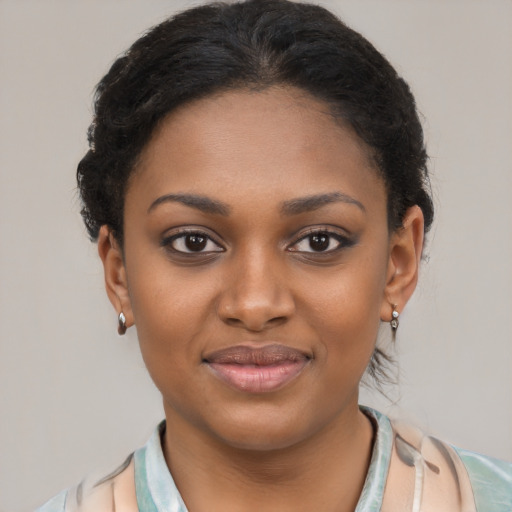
(157, 492)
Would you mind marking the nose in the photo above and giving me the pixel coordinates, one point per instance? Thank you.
(256, 295)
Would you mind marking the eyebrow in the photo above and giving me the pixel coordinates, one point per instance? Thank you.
(202, 203)
(310, 203)
(291, 207)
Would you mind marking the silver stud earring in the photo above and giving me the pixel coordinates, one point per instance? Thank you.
(394, 319)
(121, 326)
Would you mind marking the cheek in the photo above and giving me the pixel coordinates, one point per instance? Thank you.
(169, 311)
(168, 316)
(346, 313)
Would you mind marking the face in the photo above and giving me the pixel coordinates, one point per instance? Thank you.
(256, 261)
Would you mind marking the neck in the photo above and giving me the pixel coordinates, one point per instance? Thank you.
(326, 471)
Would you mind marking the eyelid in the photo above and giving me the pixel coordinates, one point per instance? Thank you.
(344, 240)
(180, 232)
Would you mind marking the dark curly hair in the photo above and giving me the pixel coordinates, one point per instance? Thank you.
(251, 44)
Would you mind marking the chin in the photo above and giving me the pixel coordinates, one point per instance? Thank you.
(263, 431)
(261, 440)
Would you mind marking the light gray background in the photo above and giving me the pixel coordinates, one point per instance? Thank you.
(74, 396)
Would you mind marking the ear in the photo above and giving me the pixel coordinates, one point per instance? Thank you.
(405, 249)
(115, 273)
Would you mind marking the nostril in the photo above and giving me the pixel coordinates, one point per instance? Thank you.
(255, 304)
(256, 326)
(277, 320)
(233, 321)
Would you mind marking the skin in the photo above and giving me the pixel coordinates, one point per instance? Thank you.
(258, 281)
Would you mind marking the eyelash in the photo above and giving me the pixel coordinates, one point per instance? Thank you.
(342, 241)
(181, 237)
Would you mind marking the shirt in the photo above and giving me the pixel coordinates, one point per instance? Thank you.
(408, 472)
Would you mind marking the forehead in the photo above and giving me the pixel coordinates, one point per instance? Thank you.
(276, 143)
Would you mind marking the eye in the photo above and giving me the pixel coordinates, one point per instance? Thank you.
(192, 242)
(320, 242)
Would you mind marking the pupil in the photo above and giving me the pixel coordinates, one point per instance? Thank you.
(195, 242)
(319, 242)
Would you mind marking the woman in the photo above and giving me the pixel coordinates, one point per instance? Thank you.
(257, 185)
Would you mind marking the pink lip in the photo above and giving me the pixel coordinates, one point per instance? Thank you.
(257, 370)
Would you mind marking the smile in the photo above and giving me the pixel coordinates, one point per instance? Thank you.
(257, 370)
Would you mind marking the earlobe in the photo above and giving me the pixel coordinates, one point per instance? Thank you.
(405, 251)
(115, 274)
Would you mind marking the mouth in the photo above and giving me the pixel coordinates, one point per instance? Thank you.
(257, 369)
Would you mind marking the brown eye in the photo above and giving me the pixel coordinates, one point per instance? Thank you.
(320, 242)
(193, 242)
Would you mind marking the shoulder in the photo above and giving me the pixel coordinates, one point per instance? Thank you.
(491, 480)
(56, 504)
(135, 484)
(116, 491)
(426, 470)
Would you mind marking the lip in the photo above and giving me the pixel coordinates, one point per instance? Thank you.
(257, 369)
